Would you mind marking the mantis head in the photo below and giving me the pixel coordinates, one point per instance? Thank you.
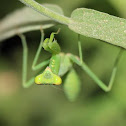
(48, 77)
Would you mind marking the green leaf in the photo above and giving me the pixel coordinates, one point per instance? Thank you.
(99, 25)
(72, 85)
(24, 20)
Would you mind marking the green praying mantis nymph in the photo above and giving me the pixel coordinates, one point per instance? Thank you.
(58, 65)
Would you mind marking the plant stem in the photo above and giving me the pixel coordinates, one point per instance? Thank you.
(47, 12)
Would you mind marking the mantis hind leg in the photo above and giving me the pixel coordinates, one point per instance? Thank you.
(82, 64)
(28, 83)
(80, 49)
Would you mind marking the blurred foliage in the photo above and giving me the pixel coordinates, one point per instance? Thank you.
(48, 106)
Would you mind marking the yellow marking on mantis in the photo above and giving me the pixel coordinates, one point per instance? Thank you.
(48, 78)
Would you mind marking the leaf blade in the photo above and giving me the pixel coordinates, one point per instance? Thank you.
(24, 20)
(99, 25)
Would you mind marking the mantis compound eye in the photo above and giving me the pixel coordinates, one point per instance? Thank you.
(48, 78)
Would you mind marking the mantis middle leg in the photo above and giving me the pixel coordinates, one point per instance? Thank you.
(28, 83)
(83, 65)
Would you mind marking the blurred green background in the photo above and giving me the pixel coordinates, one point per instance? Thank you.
(48, 106)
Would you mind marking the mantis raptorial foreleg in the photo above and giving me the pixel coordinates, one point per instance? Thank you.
(25, 58)
(92, 75)
(80, 49)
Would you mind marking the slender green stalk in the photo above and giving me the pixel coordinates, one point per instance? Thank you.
(43, 10)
